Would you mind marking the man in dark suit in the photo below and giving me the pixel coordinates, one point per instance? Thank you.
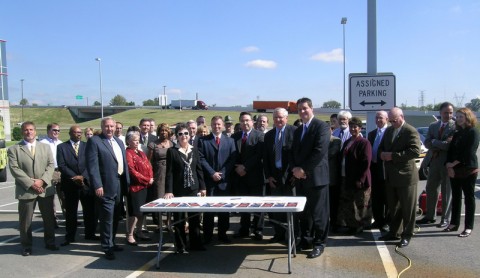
(399, 148)
(192, 130)
(310, 168)
(145, 136)
(334, 187)
(71, 163)
(107, 173)
(248, 171)
(440, 133)
(217, 157)
(379, 196)
(276, 155)
(31, 164)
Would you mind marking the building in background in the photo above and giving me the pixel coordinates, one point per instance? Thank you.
(4, 103)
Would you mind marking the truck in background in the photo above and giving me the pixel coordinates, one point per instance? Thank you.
(270, 105)
(3, 153)
(188, 104)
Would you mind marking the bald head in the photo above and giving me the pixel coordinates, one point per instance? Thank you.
(396, 117)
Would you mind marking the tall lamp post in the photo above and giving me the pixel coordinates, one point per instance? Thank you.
(343, 22)
(100, 75)
(21, 81)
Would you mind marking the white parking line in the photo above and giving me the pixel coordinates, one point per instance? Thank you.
(17, 237)
(387, 261)
(7, 187)
(8, 204)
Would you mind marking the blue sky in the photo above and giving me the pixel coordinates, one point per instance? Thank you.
(234, 52)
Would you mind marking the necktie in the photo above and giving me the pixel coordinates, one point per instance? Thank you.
(278, 147)
(305, 129)
(145, 140)
(118, 155)
(244, 138)
(217, 140)
(32, 150)
(341, 134)
(440, 132)
(395, 133)
(75, 147)
(376, 143)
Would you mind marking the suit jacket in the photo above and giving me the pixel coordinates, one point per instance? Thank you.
(71, 165)
(405, 148)
(174, 181)
(357, 161)
(215, 158)
(438, 147)
(334, 148)
(269, 153)
(464, 147)
(250, 156)
(151, 138)
(102, 166)
(311, 153)
(24, 167)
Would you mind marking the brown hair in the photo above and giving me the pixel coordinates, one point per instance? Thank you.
(470, 117)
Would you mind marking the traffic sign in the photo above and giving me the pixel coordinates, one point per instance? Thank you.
(372, 92)
(78, 97)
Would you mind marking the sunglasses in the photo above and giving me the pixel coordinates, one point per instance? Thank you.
(183, 133)
(56, 130)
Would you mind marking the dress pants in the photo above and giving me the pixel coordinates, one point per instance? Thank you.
(438, 179)
(25, 214)
(72, 197)
(245, 189)
(109, 214)
(467, 185)
(281, 189)
(223, 217)
(402, 203)
(379, 196)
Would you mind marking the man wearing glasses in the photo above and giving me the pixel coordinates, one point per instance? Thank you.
(53, 132)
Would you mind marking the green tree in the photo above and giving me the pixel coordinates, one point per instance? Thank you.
(17, 133)
(24, 102)
(131, 103)
(474, 104)
(331, 104)
(151, 102)
(118, 100)
(97, 103)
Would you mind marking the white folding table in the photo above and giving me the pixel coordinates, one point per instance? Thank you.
(285, 204)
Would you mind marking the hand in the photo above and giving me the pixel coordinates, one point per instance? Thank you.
(240, 170)
(299, 173)
(359, 184)
(386, 156)
(203, 193)
(217, 176)
(168, 196)
(151, 181)
(99, 192)
(450, 172)
(272, 182)
(78, 180)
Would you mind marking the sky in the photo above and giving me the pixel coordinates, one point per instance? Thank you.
(233, 52)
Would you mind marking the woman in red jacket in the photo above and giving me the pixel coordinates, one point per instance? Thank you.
(141, 177)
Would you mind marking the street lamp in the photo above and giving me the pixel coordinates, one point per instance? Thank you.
(343, 22)
(22, 102)
(100, 75)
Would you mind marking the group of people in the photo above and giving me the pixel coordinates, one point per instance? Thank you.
(345, 178)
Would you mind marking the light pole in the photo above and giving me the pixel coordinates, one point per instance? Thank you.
(100, 75)
(343, 22)
(22, 102)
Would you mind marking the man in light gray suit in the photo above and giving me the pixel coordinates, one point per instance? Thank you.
(31, 164)
(438, 139)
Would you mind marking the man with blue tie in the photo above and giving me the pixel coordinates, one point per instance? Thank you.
(217, 157)
(276, 154)
(310, 168)
(379, 197)
(107, 174)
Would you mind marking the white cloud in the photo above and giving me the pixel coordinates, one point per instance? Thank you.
(250, 49)
(336, 55)
(261, 64)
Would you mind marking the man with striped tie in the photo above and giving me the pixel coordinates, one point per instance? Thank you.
(71, 163)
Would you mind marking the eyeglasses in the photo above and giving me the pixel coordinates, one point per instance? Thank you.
(56, 130)
(183, 133)
(393, 121)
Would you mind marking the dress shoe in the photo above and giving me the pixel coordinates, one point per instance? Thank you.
(426, 221)
(451, 228)
(257, 235)
(142, 237)
(385, 228)
(224, 239)
(66, 242)
(109, 255)
(355, 231)
(403, 243)
(117, 248)
(388, 237)
(180, 250)
(131, 243)
(52, 247)
(26, 252)
(94, 237)
(442, 224)
(316, 252)
(303, 245)
(276, 239)
(465, 233)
